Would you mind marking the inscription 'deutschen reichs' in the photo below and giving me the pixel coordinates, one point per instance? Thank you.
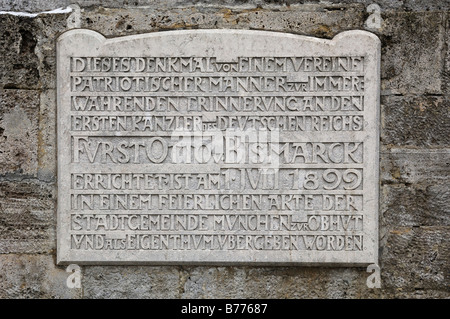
(219, 147)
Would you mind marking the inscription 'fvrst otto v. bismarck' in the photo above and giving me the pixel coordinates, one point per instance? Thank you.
(218, 146)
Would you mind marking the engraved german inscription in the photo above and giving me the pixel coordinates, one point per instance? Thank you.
(218, 147)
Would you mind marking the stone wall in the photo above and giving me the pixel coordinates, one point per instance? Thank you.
(414, 153)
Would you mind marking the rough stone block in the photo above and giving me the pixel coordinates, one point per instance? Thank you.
(19, 65)
(19, 118)
(50, 26)
(413, 166)
(225, 282)
(242, 282)
(47, 136)
(33, 276)
(313, 20)
(415, 189)
(41, 5)
(415, 205)
(27, 217)
(27, 45)
(416, 258)
(135, 282)
(282, 283)
(213, 282)
(411, 58)
(446, 82)
(415, 120)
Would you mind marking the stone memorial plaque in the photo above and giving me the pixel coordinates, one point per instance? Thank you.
(218, 147)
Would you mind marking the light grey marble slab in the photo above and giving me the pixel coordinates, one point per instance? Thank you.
(218, 147)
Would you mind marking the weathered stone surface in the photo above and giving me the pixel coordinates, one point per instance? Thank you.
(247, 282)
(311, 20)
(33, 276)
(223, 282)
(421, 5)
(416, 258)
(50, 26)
(19, 63)
(418, 121)
(28, 50)
(274, 283)
(400, 293)
(415, 187)
(415, 205)
(135, 282)
(324, 24)
(47, 136)
(27, 217)
(415, 166)
(41, 5)
(446, 82)
(410, 65)
(19, 118)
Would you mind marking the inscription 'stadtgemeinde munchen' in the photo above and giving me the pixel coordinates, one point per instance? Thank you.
(219, 147)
